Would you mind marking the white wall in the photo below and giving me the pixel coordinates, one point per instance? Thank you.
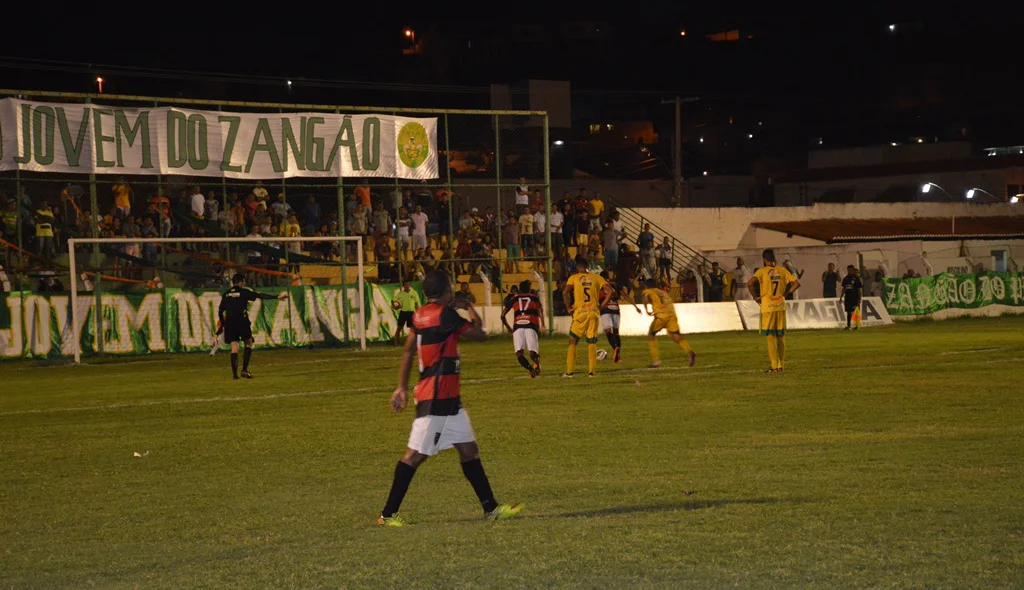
(730, 228)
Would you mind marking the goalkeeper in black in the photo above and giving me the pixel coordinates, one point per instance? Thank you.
(234, 320)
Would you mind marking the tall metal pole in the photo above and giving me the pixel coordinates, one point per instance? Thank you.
(451, 201)
(547, 228)
(678, 160)
(340, 182)
(497, 180)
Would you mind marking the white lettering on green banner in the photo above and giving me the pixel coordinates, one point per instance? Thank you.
(89, 138)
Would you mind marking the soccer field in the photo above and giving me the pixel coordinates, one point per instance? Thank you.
(889, 457)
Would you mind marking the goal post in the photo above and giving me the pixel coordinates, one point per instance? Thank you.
(74, 271)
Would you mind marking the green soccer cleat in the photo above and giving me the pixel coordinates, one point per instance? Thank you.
(504, 512)
(395, 520)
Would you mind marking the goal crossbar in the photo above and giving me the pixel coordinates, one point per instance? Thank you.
(72, 242)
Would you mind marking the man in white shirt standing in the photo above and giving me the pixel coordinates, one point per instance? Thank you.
(540, 223)
(419, 229)
(557, 220)
(740, 276)
(197, 203)
(522, 194)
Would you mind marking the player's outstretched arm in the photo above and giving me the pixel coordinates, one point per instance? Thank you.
(399, 398)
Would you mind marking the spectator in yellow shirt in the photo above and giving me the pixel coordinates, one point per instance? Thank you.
(595, 209)
(122, 198)
(292, 229)
(44, 229)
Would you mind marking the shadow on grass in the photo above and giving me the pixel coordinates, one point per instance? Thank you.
(688, 505)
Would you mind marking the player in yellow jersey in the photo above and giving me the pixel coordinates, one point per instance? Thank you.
(588, 291)
(775, 283)
(664, 312)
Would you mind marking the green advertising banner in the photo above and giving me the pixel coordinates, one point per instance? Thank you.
(38, 325)
(924, 295)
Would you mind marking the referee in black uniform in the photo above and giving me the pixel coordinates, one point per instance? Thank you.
(853, 289)
(234, 320)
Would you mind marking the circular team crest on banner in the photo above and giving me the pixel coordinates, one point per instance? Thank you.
(413, 145)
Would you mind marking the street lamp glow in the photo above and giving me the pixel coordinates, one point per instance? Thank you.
(559, 142)
(1014, 199)
(702, 140)
(970, 194)
(750, 136)
(408, 32)
(892, 28)
(289, 82)
(926, 187)
(705, 173)
(682, 33)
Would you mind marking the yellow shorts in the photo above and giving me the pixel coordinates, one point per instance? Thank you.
(669, 323)
(585, 327)
(773, 323)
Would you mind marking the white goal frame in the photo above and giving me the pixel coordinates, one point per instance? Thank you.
(72, 242)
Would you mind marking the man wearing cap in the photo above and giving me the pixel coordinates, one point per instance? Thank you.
(234, 320)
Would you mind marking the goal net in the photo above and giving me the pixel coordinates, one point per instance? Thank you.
(149, 295)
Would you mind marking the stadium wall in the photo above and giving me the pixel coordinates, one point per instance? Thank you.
(730, 228)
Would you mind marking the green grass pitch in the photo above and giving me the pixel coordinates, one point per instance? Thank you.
(889, 457)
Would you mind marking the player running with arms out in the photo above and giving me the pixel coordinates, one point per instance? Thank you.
(664, 312)
(610, 315)
(773, 284)
(583, 295)
(853, 290)
(441, 423)
(528, 323)
(234, 321)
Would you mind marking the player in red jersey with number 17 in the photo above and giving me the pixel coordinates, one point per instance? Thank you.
(528, 323)
(441, 423)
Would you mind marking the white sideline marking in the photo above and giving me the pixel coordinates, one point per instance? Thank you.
(385, 389)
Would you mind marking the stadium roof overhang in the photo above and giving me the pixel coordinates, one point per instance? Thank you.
(847, 231)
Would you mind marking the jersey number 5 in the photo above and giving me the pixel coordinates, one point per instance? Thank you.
(586, 294)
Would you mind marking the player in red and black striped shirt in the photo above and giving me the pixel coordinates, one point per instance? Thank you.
(528, 320)
(441, 423)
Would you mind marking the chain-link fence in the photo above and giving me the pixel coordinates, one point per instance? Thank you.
(485, 220)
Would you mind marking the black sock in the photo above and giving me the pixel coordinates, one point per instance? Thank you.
(245, 358)
(535, 356)
(400, 485)
(613, 339)
(849, 318)
(474, 472)
(525, 363)
(234, 364)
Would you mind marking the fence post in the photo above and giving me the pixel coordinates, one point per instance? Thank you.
(340, 183)
(97, 287)
(497, 190)
(547, 227)
(451, 202)
(18, 219)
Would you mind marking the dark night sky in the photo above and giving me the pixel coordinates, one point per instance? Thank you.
(834, 73)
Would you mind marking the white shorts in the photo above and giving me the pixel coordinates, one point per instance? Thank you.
(610, 321)
(419, 241)
(525, 339)
(432, 434)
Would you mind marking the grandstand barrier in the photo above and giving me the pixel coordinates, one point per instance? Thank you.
(817, 314)
(939, 294)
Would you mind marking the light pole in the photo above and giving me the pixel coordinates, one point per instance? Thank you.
(973, 191)
(99, 83)
(927, 187)
(677, 167)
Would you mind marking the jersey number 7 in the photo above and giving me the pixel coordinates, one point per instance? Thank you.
(775, 287)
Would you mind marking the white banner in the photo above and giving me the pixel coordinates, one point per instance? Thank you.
(91, 138)
(803, 314)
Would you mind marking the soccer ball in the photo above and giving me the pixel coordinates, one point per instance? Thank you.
(602, 354)
(396, 305)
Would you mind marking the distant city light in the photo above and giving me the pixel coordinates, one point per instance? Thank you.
(408, 32)
(702, 140)
(920, 140)
(559, 142)
(705, 173)
(289, 82)
(892, 28)
(99, 84)
(682, 33)
(820, 140)
(760, 123)
(750, 136)
(894, 144)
